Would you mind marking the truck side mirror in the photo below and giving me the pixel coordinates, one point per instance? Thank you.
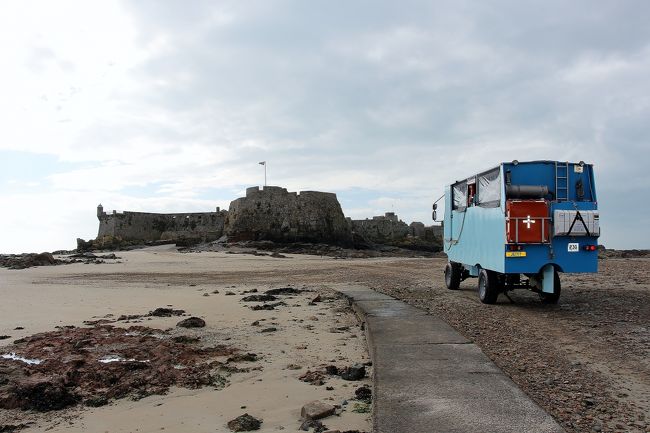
(435, 206)
(434, 215)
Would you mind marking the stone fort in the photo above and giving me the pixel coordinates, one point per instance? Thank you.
(137, 226)
(269, 213)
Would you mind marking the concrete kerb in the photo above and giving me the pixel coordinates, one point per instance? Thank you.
(429, 378)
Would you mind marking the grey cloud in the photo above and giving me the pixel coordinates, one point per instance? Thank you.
(417, 93)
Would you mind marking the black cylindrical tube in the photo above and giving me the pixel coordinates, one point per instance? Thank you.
(526, 191)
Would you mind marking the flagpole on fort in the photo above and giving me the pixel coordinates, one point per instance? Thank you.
(264, 164)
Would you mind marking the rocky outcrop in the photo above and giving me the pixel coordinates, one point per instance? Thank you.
(22, 261)
(274, 214)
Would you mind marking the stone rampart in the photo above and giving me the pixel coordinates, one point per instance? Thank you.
(132, 226)
(381, 229)
(417, 229)
(272, 213)
(433, 232)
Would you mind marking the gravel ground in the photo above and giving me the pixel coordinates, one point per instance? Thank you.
(586, 360)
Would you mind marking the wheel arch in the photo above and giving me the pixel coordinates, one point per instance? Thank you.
(557, 267)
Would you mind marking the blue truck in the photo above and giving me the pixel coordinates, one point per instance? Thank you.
(519, 225)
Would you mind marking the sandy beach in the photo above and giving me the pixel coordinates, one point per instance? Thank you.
(308, 336)
(585, 361)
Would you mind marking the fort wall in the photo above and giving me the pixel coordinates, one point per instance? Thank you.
(381, 229)
(206, 226)
(417, 229)
(272, 213)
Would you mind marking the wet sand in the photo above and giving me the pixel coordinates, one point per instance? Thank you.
(39, 299)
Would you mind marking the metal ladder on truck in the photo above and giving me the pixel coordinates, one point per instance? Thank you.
(561, 181)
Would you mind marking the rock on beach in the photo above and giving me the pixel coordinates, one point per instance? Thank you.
(191, 322)
(317, 410)
(244, 422)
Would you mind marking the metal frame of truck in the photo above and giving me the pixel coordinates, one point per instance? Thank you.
(519, 225)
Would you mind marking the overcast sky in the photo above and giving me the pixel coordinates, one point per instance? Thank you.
(169, 106)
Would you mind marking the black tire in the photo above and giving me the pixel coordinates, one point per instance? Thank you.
(452, 276)
(552, 298)
(488, 286)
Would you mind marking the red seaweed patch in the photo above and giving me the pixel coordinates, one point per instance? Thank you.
(54, 370)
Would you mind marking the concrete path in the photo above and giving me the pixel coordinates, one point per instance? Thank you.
(429, 378)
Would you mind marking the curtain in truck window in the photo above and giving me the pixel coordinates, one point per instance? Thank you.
(460, 196)
(489, 188)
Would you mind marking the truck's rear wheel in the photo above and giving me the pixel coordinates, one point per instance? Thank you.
(488, 287)
(452, 276)
(552, 298)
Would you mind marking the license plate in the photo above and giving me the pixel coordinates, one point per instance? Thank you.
(574, 247)
(515, 253)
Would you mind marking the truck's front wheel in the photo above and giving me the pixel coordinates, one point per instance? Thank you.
(452, 276)
(488, 290)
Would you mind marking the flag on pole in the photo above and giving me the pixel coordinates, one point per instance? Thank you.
(262, 163)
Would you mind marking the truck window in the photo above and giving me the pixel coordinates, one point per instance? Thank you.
(471, 192)
(489, 188)
(459, 196)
